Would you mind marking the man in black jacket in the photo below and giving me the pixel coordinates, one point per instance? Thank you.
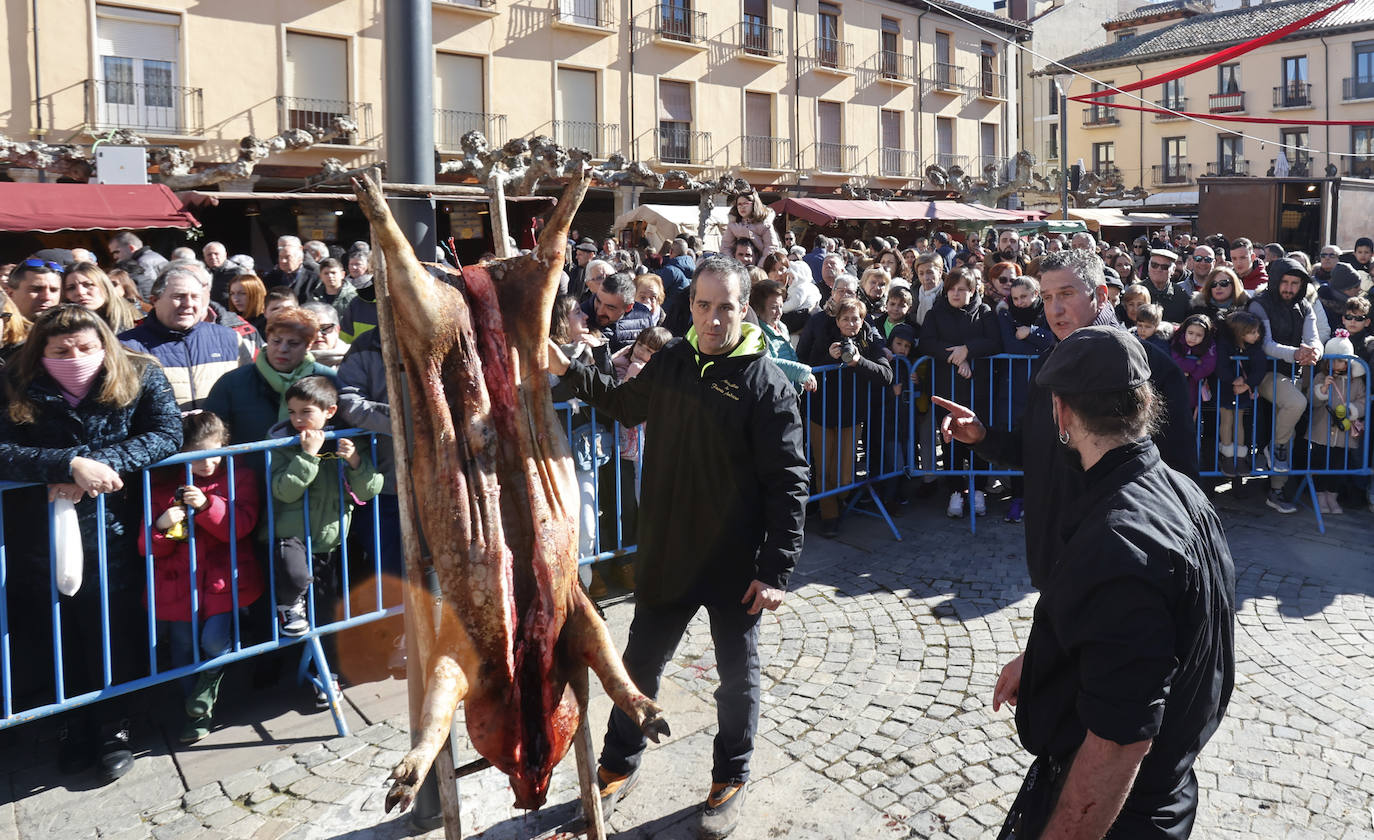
(1075, 295)
(723, 495)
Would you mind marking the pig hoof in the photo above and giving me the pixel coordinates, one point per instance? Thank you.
(400, 794)
(653, 724)
(407, 776)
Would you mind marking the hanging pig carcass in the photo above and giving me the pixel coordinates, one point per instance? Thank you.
(496, 499)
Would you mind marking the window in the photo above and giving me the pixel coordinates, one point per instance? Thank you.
(830, 137)
(987, 70)
(1362, 82)
(758, 131)
(828, 25)
(675, 122)
(757, 36)
(1123, 34)
(1173, 95)
(944, 141)
(945, 74)
(582, 12)
(1054, 96)
(1362, 145)
(892, 50)
(675, 20)
(1229, 156)
(1101, 111)
(1295, 90)
(316, 83)
(1228, 78)
(1104, 158)
(1053, 151)
(1175, 169)
(890, 125)
(137, 67)
(578, 111)
(1299, 157)
(458, 98)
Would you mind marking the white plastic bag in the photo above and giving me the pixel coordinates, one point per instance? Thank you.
(67, 536)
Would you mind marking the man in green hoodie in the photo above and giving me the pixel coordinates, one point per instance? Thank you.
(722, 503)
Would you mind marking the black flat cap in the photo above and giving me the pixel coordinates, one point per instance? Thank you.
(1095, 360)
(1112, 277)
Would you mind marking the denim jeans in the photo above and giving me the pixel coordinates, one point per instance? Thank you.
(216, 638)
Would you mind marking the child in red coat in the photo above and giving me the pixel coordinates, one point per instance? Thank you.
(207, 497)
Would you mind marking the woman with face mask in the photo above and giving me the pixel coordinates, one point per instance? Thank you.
(84, 415)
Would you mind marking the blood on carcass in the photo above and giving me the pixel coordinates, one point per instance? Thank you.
(497, 500)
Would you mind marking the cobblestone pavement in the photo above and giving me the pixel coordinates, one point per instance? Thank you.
(877, 721)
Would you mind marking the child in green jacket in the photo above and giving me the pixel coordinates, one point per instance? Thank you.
(312, 507)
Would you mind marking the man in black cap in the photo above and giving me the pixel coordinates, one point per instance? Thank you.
(584, 253)
(1342, 284)
(1075, 296)
(1130, 662)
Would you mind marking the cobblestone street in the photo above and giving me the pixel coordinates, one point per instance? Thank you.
(877, 722)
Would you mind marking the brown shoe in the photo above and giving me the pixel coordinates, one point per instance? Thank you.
(724, 805)
(614, 787)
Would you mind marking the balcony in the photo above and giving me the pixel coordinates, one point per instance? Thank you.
(941, 77)
(1226, 103)
(596, 15)
(767, 153)
(600, 139)
(450, 126)
(1235, 166)
(1100, 115)
(151, 109)
(1179, 103)
(758, 41)
(317, 116)
(679, 145)
(895, 68)
(679, 25)
(1360, 167)
(897, 163)
(1360, 87)
(836, 157)
(948, 160)
(1107, 171)
(991, 86)
(834, 56)
(1172, 173)
(1293, 95)
(997, 162)
(484, 8)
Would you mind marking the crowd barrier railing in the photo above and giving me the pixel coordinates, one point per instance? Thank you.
(113, 523)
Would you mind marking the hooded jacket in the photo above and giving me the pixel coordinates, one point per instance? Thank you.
(330, 508)
(214, 566)
(724, 481)
(974, 326)
(1287, 324)
(193, 359)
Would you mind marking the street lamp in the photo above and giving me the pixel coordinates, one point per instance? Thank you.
(1062, 81)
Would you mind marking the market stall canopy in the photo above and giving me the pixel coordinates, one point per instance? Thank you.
(49, 208)
(1097, 218)
(828, 211)
(663, 222)
(1050, 226)
(202, 198)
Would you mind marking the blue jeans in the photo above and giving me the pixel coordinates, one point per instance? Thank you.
(216, 638)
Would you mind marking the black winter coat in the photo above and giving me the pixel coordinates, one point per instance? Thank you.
(850, 395)
(1050, 478)
(975, 326)
(725, 476)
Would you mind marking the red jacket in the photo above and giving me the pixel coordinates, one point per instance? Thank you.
(1256, 277)
(171, 558)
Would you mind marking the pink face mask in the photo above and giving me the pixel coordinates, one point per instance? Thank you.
(75, 375)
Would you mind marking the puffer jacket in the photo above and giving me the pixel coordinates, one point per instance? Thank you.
(293, 472)
(761, 233)
(214, 566)
(974, 326)
(193, 359)
(852, 394)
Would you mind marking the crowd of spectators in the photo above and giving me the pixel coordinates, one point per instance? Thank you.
(109, 371)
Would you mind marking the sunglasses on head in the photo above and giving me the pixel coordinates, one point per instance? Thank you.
(34, 262)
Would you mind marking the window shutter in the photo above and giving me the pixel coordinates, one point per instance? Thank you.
(675, 101)
(758, 115)
(316, 67)
(458, 82)
(152, 36)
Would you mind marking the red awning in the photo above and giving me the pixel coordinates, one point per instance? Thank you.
(828, 211)
(49, 208)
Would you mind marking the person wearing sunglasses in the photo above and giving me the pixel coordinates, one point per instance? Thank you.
(1329, 256)
(1201, 260)
(1343, 284)
(37, 286)
(1163, 288)
(1220, 294)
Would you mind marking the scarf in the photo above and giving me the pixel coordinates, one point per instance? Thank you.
(279, 381)
(75, 376)
(1025, 316)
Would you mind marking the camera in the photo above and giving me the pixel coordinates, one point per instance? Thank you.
(849, 351)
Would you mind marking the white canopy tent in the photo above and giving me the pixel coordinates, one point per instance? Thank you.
(663, 222)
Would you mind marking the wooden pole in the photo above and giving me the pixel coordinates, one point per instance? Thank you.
(420, 628)
(499, 230)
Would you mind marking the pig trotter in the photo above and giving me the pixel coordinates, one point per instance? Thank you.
(407, 777)
(589, 642)
(654, 725)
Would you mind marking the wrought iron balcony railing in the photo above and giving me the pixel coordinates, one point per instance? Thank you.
(450, 126)
(1357, 87)
(152, 108)
(1293, 95)
(599, 14)
(762, 152)
(678, 23)
(1234, 166)
(896, 67)
(897, 163)
(759, 40)
(832, 54)
(836, 157)
(322, 117)
(600, 139)
(1178, 103)
(1100, 115)
(678, 144)
(1177, 172)
(942, 77)
(1226, 103)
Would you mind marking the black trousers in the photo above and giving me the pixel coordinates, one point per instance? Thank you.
(654, 635)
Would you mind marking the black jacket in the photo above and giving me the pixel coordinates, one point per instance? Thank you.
(1051, 480)
(305, 282)
(1175, 300)
(725, 477)
(850, 395)
(975, 326)
(1133, 636)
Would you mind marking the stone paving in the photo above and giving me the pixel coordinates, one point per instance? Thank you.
(877, 719)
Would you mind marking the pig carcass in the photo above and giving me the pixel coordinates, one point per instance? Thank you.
(497, 500)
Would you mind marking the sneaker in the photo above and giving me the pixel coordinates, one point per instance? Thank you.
(293, 617)
(322, 699)
(1242, 463)
(1227, 465)
(1278, 457)
(980, 503)
(614, 787)
(956, 505)
(724, 806)
(1276, 501)
(1014, 512)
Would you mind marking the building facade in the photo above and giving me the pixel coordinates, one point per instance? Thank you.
(1324, 71)
(805, 96)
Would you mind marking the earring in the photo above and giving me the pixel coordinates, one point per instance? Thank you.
(1064, 438)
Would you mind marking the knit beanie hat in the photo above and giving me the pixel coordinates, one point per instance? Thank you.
(1340, 345)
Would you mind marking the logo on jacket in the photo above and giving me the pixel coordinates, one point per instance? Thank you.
(729, 389)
